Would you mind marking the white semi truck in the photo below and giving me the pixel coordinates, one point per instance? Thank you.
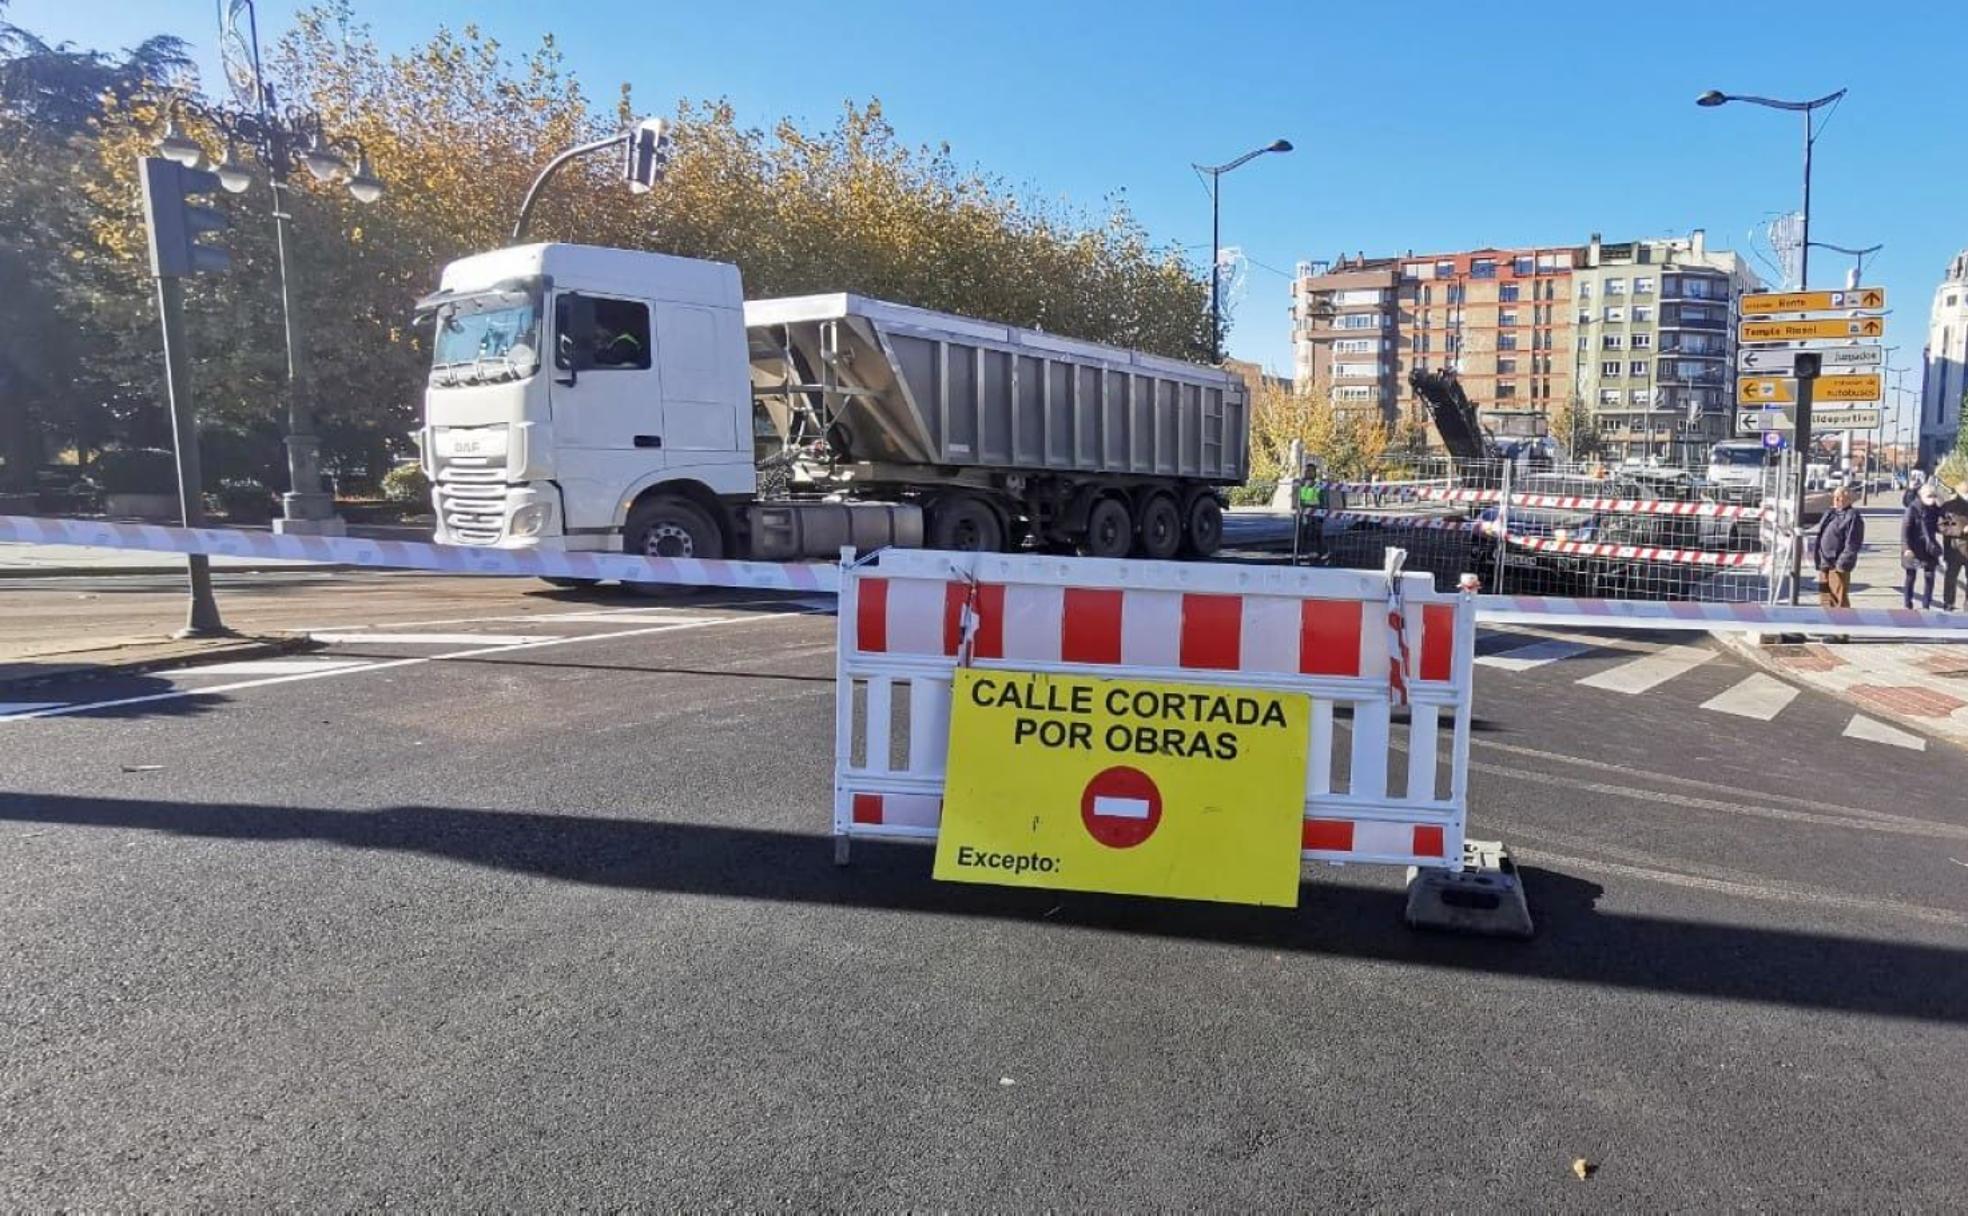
(596, 399)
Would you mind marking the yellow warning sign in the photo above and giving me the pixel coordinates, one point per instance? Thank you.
(1086, 784)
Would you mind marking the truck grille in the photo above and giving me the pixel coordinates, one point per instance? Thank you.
(471, 497)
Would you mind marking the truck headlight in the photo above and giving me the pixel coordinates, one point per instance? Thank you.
(530, 520)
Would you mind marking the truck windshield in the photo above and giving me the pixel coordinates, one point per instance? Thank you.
(487, 337)
(1747, 456)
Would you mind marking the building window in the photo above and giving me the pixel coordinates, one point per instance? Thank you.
(1641, 341)
(1506, 341)
(1505, 390)
(1609, 396)
(1643, 312)
(1643, 287)
(1585, 316)
(1640, 396)
(1410, 271)
(1554, 261)
(1427, 294)
(1637, 369)
(1506, 366)
(1482, 268)
(1585, 289)
(1610, 369)
(1610, 342)
(1584, 342)
(1615, 287)
(1507, 316)
(1445, 270)
(1507, 292)
(1615, 313)
(1521, 264)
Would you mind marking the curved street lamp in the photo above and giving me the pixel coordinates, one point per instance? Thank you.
(1216, 172)
(281, 141)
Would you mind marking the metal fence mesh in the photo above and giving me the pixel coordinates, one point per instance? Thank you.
(1544, 527)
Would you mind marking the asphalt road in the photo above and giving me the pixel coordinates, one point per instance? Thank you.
(552, 921)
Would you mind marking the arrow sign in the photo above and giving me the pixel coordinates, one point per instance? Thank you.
(1806, 331)
(1751, 422)
(1765, 303)
(1833, 360)
(1765, 390)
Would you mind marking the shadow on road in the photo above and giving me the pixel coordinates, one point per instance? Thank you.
(1577, 943)
(122, 694)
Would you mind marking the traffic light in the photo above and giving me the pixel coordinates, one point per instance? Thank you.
(648, 155)
(176, 221)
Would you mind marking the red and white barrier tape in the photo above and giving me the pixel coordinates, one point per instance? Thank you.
(415, 555)
(1626, 506)
(1443, 523)
(1705, 617)
(1642, 553)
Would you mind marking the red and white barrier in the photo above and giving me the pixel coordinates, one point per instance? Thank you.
(416, 555)
(1624, 506)
(1643, 553)
(1711, 617)
(1337, 635)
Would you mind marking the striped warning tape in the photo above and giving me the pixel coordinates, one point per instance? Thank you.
(1627, 506)
(416, 555)
(1541, 544)
(1708, 617)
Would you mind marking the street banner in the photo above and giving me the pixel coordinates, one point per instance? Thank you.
(1082, 783)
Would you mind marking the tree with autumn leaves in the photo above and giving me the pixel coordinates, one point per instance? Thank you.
(457, 127)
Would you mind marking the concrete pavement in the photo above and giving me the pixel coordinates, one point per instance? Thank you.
(549, 920)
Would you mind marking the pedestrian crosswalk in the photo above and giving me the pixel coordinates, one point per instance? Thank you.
(1630, 667)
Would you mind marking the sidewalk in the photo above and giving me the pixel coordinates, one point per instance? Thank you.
(67, 561)
(1920, 685)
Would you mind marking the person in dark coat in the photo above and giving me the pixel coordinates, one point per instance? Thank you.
(1920, 544)
(1954, 548)
(1840, 536)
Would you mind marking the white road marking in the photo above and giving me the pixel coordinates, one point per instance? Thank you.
(477, 652)
(1757, 696)
(269, 667)
(9, 708)
(625, 614)
(424, 639)
(1650, 671)
(1874, 731)
(1537, 654)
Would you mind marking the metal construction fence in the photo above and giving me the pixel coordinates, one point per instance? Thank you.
(1579, 529)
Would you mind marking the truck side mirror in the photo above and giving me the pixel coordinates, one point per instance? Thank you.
(574, 329)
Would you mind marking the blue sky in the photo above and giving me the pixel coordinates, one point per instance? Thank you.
(1421, 125)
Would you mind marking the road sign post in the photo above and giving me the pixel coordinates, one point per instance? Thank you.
(1807, 378)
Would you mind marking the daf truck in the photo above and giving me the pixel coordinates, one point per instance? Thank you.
(594, 399)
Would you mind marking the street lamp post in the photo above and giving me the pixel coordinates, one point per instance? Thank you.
(1216, 173)
(1806, 108)
(281, 140)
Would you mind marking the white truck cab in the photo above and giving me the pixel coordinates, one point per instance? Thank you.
(566, 380)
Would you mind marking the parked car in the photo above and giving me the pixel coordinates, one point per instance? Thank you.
(1536, 571)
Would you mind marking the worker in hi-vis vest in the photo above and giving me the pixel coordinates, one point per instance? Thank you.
(1311, 511)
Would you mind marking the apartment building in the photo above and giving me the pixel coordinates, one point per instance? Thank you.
(1528, 329)
(1655, 340)
(1944, 371)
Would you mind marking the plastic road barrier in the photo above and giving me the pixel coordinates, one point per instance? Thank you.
(1148, 726)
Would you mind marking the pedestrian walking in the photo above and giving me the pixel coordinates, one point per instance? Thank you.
(1954, 548)
(1836, 550)
(1920, 544)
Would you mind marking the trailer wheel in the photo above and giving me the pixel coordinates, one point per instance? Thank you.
(964, 525)
(1202, 531)
(1109, 530)
(1161, 529)
(669, 527)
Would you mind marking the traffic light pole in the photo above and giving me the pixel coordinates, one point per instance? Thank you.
(203, 620)
(1807, 382)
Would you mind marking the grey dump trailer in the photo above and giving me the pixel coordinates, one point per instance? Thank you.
(998, 434)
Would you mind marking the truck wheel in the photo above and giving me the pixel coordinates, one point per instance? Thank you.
(1161, 529)
(964, 525)
(1109, 530)
(1202, 532)
(669, 527)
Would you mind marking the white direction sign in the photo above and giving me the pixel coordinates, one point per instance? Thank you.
(1832, 360)
(1752, 422)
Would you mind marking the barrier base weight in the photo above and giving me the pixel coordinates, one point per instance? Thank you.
(1484, 898)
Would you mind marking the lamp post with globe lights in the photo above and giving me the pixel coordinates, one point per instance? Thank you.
(280, 140)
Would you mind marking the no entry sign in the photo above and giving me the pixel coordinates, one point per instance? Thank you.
(1186, 791)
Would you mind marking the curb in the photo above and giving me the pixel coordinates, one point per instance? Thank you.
(61, 667)
(1741, 644)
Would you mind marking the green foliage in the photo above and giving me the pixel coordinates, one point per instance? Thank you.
(136, 471)
(406, 483)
